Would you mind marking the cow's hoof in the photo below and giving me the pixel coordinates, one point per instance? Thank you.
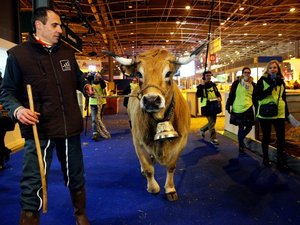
(172, 196)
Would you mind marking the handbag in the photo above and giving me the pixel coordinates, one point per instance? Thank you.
(269, 109)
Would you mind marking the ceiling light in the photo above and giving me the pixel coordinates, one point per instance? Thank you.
(167, 40)
(292, 9)
(178, 22)
(264, 24)
(130, 6)
(171, 33)
(245, 34)
(222, 23)
(279, 35)
(241, 8)
(187, 7)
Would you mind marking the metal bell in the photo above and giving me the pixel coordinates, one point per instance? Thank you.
(164, 131)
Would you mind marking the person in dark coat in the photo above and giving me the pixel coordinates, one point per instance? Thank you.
(271, 89)
(50, 67)
(240, 105)
(6, 124)
(209, 94)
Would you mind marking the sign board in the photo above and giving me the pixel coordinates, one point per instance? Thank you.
(215, 45)
(266, 59)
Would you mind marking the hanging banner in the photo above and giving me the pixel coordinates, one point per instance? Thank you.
(215, 45)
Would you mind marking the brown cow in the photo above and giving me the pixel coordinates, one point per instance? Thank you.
(158, 101)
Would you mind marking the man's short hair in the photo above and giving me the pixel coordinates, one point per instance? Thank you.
(41, 15)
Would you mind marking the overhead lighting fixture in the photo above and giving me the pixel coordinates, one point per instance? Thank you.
(171, 33)
(187, 6)
(130, 6)
(292, 9)
(279, 35)
(241, 8)
(264, 24)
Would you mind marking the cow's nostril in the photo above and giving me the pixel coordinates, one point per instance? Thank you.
(152, 102)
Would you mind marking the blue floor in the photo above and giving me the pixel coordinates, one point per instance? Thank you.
(216, 186)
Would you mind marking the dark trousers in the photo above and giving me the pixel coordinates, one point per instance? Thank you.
(69, 154)
(242, 133)
(279, 125)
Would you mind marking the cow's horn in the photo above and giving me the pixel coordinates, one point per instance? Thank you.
(187, 59)
(122, 60)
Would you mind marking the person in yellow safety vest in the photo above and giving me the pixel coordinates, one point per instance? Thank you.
(240, 105)
(271, 88)
(208, 92)
(97, 103)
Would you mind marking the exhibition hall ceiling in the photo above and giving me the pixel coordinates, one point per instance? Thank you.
(246, 28)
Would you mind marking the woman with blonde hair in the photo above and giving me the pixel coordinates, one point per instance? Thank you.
(272, 110)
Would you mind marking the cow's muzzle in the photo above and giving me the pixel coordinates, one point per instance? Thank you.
(152, 103)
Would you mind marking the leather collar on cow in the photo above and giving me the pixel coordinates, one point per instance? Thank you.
(148, 86)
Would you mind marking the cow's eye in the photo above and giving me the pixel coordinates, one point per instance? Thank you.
(168, 74)
(139, 75)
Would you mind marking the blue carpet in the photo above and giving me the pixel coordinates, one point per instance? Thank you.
(216, 186)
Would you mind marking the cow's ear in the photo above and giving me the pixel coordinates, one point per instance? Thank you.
(128, 70)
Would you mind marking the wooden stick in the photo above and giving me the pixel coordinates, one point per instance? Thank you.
(39, 151)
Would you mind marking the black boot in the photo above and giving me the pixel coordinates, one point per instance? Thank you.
(29, 218)
(281, 163)
(79, 204)
(266, 160)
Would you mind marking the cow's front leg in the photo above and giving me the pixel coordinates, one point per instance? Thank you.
(147, 170)
(170, 189)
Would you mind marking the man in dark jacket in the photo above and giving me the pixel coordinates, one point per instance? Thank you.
(50, 67)
(210, 95)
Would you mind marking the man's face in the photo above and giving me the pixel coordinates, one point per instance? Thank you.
(50, 31)
(246, 74)
(208, 77)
